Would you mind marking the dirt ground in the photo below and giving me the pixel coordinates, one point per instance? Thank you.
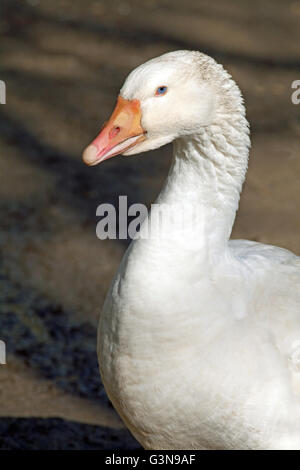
(63, 63)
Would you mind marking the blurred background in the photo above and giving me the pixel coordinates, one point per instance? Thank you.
(64, 62)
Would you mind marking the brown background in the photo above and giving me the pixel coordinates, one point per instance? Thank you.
(63, 63)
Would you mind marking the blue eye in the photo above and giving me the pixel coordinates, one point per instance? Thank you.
(161, 90)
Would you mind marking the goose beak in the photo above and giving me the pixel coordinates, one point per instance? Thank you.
(121, 132)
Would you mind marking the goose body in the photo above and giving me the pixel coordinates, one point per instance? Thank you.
(199, 336)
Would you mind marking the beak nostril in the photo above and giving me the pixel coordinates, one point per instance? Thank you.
(114, 131)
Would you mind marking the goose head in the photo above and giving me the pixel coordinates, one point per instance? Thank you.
(166, 98)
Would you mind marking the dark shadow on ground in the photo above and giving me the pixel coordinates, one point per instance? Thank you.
(59, 434)
(46, 340)
(19, 22)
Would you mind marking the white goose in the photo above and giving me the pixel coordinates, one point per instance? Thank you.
(199, 337)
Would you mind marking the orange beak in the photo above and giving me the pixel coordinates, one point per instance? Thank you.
(120, 133)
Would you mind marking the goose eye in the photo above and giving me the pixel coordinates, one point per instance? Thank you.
(161, 90)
